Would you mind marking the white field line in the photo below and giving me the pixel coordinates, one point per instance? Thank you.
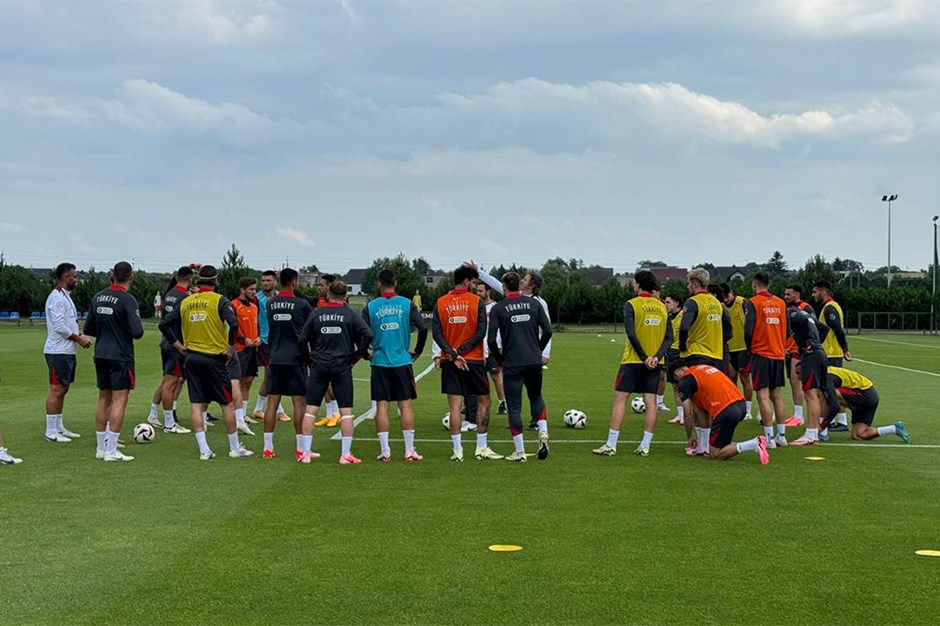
(896, 343)
(368, 414)
(897, 367)
(928, 446)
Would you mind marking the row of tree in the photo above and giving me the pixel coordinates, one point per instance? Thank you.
(571, 298)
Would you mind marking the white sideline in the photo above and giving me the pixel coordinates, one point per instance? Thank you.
(361, 418)
(896, 367)
(896, 343)
(929, 446)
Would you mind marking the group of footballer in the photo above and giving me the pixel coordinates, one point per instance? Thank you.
(306, 348)
(715, 340)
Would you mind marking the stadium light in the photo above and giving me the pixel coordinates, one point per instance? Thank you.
(889, 200)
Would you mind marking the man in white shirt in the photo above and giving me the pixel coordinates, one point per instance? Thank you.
(531, 285)
(63, 336)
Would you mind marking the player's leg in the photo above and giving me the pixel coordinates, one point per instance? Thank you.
(155, 403)
(533, 385)
(721, 446)
(261, 404)
(5, 457)
(497, 376)
(512, 386)
(116, 411)
(298, 406)
(776, 397)
(746, 387)
(760, 380)
(270, 417)
(661, 392)
(796, 389)
(382, 426)
(102, 412)
(61, 375)
(649, 421)
(452, 385)
(341, 383)
(235, 448)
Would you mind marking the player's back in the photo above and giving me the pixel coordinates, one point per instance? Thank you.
(715, 390)
(705, 332)
(458, 314)
(287, 314)
(390, 316)
(770, 326)
(114, 319)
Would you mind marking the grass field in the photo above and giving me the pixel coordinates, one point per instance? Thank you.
(168, 539)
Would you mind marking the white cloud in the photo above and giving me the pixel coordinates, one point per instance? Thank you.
(9, 227)
(844, 17)
(295, 235)
(611, 111)
(219, 22)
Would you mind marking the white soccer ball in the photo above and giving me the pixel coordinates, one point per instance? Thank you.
(575, 419)
(638, 405)
(143, 433)
(445, 421)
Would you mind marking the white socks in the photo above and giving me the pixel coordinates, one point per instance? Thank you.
(261, 403)
(239, 416)
(659, 400)
(201, 440)
(612, 436)
(781, 430)
(299, 441)
(704, 434)
(680, 412)
(306, 442)
(110, 445)
(647, 440)
(841, 419)
(798, 412)
(52, 425)
(168, 420)
(456, 441)
(747, 446)
(347, 445)
(769, 432)
(812, 433)
(383, 442)
(543, 426)
(481, 440)
(233, 444)
(154, 409)
(268, 441)
(100, 438)
(887, 430)
(747, 407)
(409, 436)
(517, 442)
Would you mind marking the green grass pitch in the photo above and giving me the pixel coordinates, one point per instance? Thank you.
(168, 539)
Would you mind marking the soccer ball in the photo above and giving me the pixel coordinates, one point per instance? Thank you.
(638, 405)
(575, 419)
(445, 421)
(143, 433)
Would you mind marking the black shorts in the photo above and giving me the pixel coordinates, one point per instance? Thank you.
(287, 380)
(321, 378)
(61, 369)
(264, 355)
(114, 375)
(173, 361)
(207, 378)
(234, 368)
(739, 360)
(863, 404)
(788, 362)
(492, 365)
(672, 362)
(813, 372)
(834, 361)
(637, 378)
(698, 359)
(767, 373)
(393, 384)
(455, 382)
(248, 362)
(724, 423)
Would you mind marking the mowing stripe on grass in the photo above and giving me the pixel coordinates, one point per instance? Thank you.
(925, 446)
(361, 418)
(897, 367)
(896, 343)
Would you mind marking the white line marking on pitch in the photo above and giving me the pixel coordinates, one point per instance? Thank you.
(928, 446)
(896, 343)
(361, 418)
(897, 367)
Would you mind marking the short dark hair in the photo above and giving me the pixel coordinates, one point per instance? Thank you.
(511, 280)
(184, 273)
(761, 278)
(725, 289)
(646, 280)
(795, 288)
(480, 283)
(288, 275)
(271, 273)
(823, 284)
(328, 277)
(247, 282)
(387, 278)
(463, 273)
(715, 290)
(337, 289)
(62, 269)
(122, 272)
(673, 298)
(535, 281)
(208, 275)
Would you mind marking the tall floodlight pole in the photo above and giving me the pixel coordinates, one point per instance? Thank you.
(889, 200)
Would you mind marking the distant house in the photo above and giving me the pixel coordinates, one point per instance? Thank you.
(727, 273)
(597, 275)
(914, 275)
(433, 278)
(353, 280)
(669, 273)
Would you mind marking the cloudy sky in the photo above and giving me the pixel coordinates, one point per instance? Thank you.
(336, 132)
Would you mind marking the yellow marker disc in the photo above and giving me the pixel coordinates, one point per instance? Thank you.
(504, 548)
(815, 458)
(928, 553)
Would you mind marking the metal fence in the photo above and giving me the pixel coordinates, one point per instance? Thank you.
(908, 322)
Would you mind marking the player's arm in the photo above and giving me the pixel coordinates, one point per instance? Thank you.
(166, 325)
(629, 325)
(480, 333)
(546, 338)
(496, 316)
(750, 318)
(364, 337)
(494, 283)
(227, 315)
(547, 349)
(685, 389)
(90, 327)
(417, 322)
(437, 331)
(689, 313)
(667, 341)
(307, 331)
(726, 331)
